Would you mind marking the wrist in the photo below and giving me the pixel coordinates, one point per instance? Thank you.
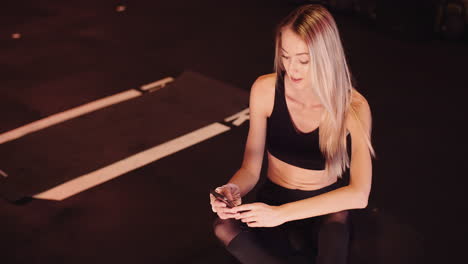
(232, 185)
(236, 187)
(283, 213)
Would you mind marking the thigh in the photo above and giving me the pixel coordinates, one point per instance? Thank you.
(303, 233)
(275, 239)
(310, 227)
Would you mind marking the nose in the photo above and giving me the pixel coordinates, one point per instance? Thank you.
(292, 66)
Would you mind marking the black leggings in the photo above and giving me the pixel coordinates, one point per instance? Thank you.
(323, 239)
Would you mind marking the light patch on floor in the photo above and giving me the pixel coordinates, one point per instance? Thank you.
(67, 115)
(136, 161)
(82, 110)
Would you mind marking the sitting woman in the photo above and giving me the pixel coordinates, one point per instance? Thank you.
(304, 112)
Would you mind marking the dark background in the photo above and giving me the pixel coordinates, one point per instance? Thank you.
(74, 52)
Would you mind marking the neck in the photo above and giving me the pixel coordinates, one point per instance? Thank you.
(302, 94)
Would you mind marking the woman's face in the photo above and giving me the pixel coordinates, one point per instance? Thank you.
(295, 57)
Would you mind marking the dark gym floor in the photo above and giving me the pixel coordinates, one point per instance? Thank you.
(69, 54)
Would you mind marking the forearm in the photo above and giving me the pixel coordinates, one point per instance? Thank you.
(245, 180)
(334, 201)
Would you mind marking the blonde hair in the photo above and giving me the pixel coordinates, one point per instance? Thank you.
(330, 77)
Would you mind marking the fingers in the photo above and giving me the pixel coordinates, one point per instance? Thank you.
(245, 207)
(213, 203)
(217, 205)
(221, 209)
(245, 215)
(212, 198)
(226, 213)
(230, 194)
(237, 201)
(227, 210)
(226, 191)
(231, 191)
(254, 224)
(249, 219)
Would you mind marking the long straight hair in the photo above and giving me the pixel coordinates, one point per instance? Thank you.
(331, 80)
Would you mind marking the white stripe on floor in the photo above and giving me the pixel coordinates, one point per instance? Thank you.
(239, 118)
(81, 110)
(154, 86)
(67, 115)
(141, 159)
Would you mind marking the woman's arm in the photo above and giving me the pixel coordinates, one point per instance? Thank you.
(260, 105)
(356, 194)
(353, 196)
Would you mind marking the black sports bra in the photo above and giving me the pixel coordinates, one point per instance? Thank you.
(286, 143)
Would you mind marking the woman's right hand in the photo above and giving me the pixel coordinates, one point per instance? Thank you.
(232, 192)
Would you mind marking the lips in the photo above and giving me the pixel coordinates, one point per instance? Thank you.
(295, 80)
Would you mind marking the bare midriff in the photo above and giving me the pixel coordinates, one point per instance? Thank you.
(292, 177)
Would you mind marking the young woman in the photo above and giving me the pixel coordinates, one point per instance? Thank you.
(304, 114)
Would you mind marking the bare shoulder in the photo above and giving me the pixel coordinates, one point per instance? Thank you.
(358, 100)
(265, 82)
(262, 94)
(359, 103)
(360, 113)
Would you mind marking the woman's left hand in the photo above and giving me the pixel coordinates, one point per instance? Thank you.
(259, 215)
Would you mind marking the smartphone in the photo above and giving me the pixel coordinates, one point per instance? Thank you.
(222, 198)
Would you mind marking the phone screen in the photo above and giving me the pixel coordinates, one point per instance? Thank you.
(222, 198)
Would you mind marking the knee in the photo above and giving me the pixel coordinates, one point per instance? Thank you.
(338, 217)
(219, 228)
(335, 227)
(225, 230)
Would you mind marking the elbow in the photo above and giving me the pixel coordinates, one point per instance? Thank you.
(361, 200)
(359, 196)
(363, 203)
